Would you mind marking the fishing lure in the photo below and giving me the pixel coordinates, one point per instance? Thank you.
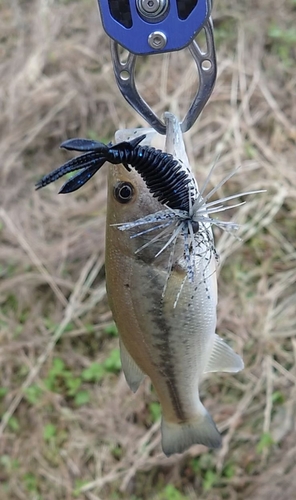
(188, 212)
(161, 172)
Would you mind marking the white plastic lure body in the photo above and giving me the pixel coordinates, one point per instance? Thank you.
(162, 288)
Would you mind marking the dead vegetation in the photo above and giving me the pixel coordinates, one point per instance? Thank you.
(70, 427)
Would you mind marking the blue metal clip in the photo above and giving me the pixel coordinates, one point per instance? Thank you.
(154, 26)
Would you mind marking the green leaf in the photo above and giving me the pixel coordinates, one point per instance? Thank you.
(229, 471)
(209, 480)
(5, 460)
(30, 481)
(265, 442)
(9, 463)
(73, 384)
(155, 411)
(117, 452)
(89, 328)
(94, 373)
(56, 373)
(33, 394)
(58, 366)
(69, 327)
(278, 397)
(287, 36)
(195, 465)
(113, 363)
(171, 493)
(49, 432)
(79, 483)
(3, 392)
(13, 423)
(82, 398)
(111, 330)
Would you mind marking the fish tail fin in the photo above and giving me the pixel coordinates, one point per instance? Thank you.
(177, 438)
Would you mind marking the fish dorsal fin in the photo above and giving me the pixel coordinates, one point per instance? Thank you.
(132, 372)
(223, 358)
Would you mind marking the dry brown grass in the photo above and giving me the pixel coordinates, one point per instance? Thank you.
(57, 82)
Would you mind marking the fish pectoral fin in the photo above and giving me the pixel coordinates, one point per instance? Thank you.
(132, 372)
(176, 438)
(223, 358)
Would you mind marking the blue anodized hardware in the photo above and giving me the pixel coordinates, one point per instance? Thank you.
(154, 26)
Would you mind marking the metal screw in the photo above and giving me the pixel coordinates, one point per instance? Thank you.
(152, 8)
(157, 40)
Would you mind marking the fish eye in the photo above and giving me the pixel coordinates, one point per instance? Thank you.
(123, 192)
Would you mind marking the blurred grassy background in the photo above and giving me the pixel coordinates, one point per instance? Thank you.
(70, 426)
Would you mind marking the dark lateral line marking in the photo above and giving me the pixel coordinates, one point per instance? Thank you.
(165, 355)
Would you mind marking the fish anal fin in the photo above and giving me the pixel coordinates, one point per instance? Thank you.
(223, 358)
(132, 372)
(176, 438)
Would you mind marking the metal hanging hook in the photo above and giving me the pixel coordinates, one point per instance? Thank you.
(207, 70)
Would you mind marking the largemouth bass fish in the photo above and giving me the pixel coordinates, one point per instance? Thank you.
(160, 276)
